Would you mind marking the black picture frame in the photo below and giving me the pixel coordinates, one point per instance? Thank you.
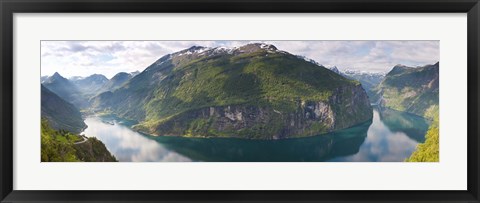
(10, 7)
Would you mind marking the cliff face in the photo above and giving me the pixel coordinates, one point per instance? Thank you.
(252, 92)
(348, 106)
(351, 105)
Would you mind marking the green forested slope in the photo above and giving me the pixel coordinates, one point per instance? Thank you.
(60, 146)
(430, 150)
(254, 91)
(414, 90)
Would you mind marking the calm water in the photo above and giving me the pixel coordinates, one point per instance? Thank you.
(390, 136)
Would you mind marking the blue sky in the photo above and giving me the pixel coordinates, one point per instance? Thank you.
(83, 58)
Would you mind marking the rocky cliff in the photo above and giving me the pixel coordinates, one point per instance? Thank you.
(345, 108)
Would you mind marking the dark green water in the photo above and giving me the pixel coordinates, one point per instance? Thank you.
(390, 136)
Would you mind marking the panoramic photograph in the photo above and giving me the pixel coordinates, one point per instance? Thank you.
(240, 101)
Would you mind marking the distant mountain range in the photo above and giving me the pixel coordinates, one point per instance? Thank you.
(78, 90)
(368, 80)
(66, 90)
(116, 82)
(91, 85)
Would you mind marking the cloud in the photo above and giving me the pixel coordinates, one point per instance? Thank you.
(83, 58)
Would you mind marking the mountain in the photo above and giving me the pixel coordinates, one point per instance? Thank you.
(74, 78)
(43, 78)
(368, 80)
(60, 114)
(65, 90)
(414, 90)
(117, 81)
(335, 70)
(134, 73)
(90, 85)
(255, 91)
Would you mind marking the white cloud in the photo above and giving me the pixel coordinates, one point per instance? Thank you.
(83, 58)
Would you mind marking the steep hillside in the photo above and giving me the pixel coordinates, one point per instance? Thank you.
(93, 150)
(60, 114)
(65, 90)
(255, 91)
(414, 90)
(430, 150)
(63, 146)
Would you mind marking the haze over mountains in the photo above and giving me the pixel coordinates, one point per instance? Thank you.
(77, 90)
(368, 80)
(61, 114)
(89, 85)
(254, 91)
(66, 90)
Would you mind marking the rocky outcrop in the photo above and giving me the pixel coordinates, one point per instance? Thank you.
(93, 150)
(351, 106)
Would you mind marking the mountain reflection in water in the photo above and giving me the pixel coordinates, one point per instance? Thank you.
(390, 136)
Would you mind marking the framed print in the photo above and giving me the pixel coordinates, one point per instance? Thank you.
(239, 101)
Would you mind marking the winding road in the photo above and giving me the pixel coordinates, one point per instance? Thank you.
(83, 141)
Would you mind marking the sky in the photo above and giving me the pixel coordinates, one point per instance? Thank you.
(84, 58)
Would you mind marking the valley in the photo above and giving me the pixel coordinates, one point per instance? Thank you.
(253, 102)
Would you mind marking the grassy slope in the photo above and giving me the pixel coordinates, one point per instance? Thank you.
(243, 79)
(275, 81)
(58, 146)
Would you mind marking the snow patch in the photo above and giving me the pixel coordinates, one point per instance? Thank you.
(309, 60)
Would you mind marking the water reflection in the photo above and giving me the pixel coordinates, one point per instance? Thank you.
(318, 148)
(128, 145)
(413, 126)
(390, 136)
(393, 136)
